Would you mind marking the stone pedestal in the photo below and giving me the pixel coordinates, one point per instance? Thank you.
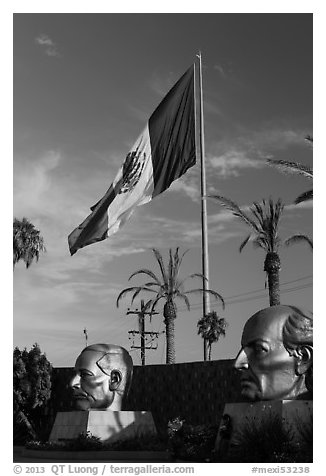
(107, 425)
(292, 412)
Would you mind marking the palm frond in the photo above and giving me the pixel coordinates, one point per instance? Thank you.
(124, 292)
(177, 263)
(291, 167)
(151, 283)
(261, 241)
(184, 297)
(171, 268)
(194, 275)
(304, 197)
(136, 293)
(258, 211)
(216, 295)
(148, 272)
(155, 301)
(136, 290)
(235, 209)
(299, 238)
(147, 305)
(159, 259)
(245, 241)
(198, 275)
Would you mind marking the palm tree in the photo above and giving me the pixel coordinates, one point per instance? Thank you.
(28, 242)
(168, 287)
(211, 327)
(296, 168)
(264, 224)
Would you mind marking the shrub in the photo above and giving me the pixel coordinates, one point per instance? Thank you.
(32, 389)
(268, 441)
(191, 442)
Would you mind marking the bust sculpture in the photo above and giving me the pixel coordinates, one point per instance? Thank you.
(276, 355)
(103, 374)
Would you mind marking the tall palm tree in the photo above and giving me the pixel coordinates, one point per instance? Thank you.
(27, 243)
(296, 168)
(264, 223)
(211, 327)
(167, 287)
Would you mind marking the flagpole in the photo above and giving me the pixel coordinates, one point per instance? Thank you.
(205, 267)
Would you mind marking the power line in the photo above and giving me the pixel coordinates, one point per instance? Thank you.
(249, 298)
(262, 293)
(198, 305)
(234, 300)
(259, 290)
(252, 298)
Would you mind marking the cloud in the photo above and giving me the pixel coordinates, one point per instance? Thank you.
(190, 187)
(250, 149)
(230, 162)
(48, 45)
(278, 138)
(32, 182)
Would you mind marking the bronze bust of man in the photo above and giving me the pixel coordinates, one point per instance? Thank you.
(276, 356)
(103, 374)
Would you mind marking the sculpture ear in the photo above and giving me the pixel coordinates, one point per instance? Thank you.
(115, 379)
(304, 359)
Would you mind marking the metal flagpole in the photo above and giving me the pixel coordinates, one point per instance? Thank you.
(205, 269)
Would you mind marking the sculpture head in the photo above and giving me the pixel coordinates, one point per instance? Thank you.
(275, 360)
(103, 374)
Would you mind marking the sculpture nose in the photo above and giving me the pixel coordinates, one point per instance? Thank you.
(75, 382)
(241, 361)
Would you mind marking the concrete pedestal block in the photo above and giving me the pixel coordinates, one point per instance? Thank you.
(106, 424)
(292, 412)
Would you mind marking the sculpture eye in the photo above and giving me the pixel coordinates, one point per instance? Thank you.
(84, 374)
(260, 349)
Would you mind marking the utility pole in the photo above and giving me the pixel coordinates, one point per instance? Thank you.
(142, 313)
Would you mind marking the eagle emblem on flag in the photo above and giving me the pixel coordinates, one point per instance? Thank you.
(132, 170)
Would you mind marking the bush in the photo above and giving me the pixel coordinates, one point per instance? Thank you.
(32, 389)
(191, 442)
(269, 441)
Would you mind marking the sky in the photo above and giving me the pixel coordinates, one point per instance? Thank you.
(84, 86)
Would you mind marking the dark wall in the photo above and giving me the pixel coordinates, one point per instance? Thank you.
(194, 391)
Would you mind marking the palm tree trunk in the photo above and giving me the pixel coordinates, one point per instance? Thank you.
(209, 351)
(170, 348)
(169, 316)
(272, 267)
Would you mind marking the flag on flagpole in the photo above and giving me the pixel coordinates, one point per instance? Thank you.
(162, 153)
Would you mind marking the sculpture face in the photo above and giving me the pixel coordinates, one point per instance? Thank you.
(90, 385)
(102, 372)
(268, 371)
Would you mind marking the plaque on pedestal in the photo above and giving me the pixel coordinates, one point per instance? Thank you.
(107, 425)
